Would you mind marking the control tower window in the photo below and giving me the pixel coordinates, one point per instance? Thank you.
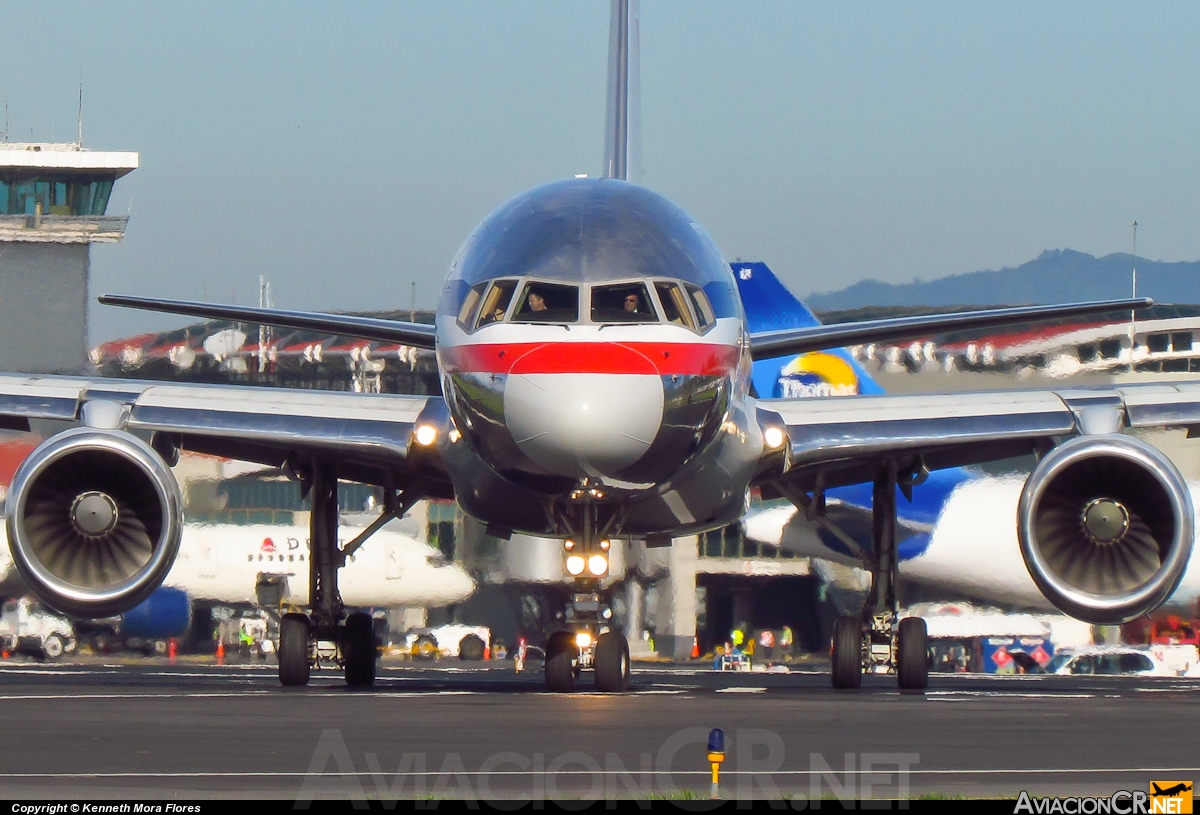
(674, 303)
(21, 194)
(626, 303)
(548, 303)
(495, 304)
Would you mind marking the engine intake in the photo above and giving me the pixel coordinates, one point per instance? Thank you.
(1105, 524)
(94, 520)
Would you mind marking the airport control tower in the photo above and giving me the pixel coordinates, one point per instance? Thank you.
(52, 203)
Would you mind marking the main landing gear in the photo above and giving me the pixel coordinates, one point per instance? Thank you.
(878, 640)
(305, 641)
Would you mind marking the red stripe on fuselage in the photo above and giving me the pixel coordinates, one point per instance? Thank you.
(651, 358)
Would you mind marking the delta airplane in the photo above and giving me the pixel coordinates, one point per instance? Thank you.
(596, 370)
(956, 536)
(261, 564)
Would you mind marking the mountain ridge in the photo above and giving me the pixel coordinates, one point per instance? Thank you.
(1054, 276)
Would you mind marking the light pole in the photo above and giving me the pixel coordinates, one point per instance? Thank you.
(1132, 318)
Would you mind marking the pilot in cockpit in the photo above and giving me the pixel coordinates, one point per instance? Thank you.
(536, 302)
(633, 303)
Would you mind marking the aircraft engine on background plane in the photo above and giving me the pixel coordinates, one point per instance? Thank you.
(1105, 526)
(94, 520)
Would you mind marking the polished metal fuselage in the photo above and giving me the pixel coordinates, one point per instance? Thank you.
(650, 422)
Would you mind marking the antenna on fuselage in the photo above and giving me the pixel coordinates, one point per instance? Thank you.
(616, 137)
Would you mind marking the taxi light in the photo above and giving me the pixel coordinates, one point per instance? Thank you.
(426, 435)
(454, 435)
(583, 639)
(605, 544)
(568, 544)
(773, 437)
(575, 564)
(597, 565)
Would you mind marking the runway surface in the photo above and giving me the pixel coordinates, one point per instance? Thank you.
(96, 731)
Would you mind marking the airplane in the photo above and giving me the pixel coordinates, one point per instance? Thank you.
(266, 565)
(956, 536)
(245, 565)
(1170, 791)
(596, 368)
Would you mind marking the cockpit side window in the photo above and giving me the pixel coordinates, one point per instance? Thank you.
(548, 303)
(625, 303)
(466, 314)
(704, 311)
(495, 304)
(674, 303)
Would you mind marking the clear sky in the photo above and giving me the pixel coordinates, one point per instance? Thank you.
(345, 150)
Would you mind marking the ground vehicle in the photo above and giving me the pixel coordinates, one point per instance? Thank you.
(1108, 661)
(27, 627)
(452, 640)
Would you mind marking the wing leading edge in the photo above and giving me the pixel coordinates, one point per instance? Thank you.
(842, 440)
(370, 437)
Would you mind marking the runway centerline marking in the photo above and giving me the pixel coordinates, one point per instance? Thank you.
(597, 771)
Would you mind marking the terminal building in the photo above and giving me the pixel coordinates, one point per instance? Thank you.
(53, 204)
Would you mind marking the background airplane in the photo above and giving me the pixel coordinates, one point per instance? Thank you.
(266, 565)
(958, 539)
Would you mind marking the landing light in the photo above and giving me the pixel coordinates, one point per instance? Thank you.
(575, 565)
(597, 565)
(583, 639)
(426, 434)
(773, 437)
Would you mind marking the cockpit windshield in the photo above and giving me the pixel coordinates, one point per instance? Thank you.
(495, 304)
(548, 303)
(625, 303)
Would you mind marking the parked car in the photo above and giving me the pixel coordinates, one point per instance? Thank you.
(1109, 661)
(467, 642)
(27, 627)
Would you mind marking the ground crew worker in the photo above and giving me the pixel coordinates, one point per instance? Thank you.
(737, 637)
(785, 641)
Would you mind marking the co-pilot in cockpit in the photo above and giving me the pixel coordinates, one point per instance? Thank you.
(654, 301)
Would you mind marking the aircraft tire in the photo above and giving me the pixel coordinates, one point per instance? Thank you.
(846, 653)
(561, 655)
(612, 663)
(912, 654)
(470, 648)
(358, 650)
(293, 650)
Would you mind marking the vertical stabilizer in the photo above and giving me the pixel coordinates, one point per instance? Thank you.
(616, 137)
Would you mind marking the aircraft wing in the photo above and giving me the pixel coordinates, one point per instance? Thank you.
(842, 440)
(370, 436)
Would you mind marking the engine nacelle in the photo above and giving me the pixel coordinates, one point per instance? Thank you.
(1105, 524)
(94, 520)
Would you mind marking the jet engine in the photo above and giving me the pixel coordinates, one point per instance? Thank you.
(94, 519)
(1105, 524)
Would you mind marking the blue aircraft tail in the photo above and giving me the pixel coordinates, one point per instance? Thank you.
(770, 306)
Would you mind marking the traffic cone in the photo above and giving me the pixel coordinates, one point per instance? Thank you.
(172, 649)
(6, 655)
(695, 648)
(220, 652)
(487, 652)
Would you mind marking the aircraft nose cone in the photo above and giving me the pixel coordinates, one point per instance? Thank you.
(584, 424)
